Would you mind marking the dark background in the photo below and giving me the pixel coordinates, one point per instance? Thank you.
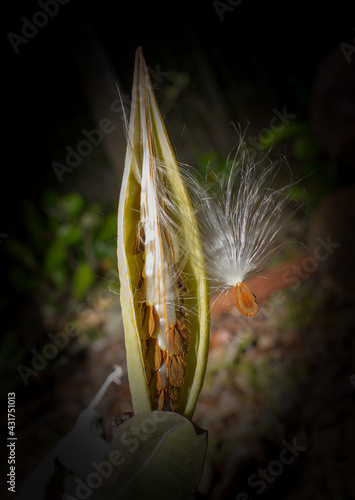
(261, 56)
(258, 57)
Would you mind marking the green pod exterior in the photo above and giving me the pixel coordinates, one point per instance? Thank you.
(144, 108)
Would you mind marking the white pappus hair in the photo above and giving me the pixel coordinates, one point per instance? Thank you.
(243, 219)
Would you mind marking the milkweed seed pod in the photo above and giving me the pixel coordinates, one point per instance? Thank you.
(243, 220)
(164, 295)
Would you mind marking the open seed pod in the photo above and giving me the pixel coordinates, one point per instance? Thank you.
(164, 291)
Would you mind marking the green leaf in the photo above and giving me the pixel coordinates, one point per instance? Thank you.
(60, 277)
(73, 204)
(50, 198)
(109, 228)
(290, 131)
(56, 257)
(305, 147)
(69, 234)
(154, 455)
(105, 251)
(83, 278)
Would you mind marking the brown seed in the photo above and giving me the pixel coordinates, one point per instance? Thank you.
(181, 313)
(170, 246)
(148, 369)
(140, 285)
(153, 355)
(161, 401)
(182, 283)
(151, 321)
(148, 322)
(144, 348)
(175, 392)
(244, 300)
(155, 386)
(182, 327)
(176, 367)
(179, 342)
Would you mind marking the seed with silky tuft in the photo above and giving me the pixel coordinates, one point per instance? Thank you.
(244, 300)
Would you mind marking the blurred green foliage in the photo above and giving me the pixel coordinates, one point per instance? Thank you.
(61, 256)
(316, 175)
(68, 245)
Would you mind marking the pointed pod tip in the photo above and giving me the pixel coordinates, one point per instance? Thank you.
(139, 52)
(140, 66)
(140, 61)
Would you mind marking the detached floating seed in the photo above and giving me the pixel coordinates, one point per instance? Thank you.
(244, 300)
(244, 221)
